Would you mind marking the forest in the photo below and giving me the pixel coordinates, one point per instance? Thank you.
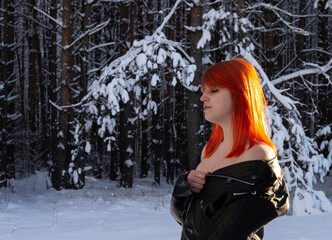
(111, 88)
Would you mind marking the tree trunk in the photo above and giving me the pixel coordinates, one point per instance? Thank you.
(145, 139)
(115, 156)
(33, 87)
(324, 43)
(194, 106)
(52, 92)
(60, 176)
(127, 142)
(156, 137)
(7, 107)
(269, 44)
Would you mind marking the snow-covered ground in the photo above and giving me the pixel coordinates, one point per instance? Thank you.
(103, 211)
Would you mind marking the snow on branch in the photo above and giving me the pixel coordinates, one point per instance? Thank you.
(301, 161)
(88, 32)
(61, 108)
(210, 19)
(56, 106)
(327, 5)
(146, 61)
(276, 11)
(115, 1)
(168, 17)
(99, 27)
(100, 46)
(284, 100)
(271, 7)
(316, 70)
(47, 15)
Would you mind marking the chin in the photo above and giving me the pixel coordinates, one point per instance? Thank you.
(210, 120)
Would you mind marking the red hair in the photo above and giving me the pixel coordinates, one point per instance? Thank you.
(249, 121)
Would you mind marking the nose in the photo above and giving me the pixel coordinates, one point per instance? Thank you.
(203, 97)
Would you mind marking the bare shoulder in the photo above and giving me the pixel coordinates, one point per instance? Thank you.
(259, 152)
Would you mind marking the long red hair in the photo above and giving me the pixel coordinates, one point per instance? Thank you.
(249, 105)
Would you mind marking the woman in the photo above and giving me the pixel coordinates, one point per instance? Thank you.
(236, 185)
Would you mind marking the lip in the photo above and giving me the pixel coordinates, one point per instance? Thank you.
(206, 107)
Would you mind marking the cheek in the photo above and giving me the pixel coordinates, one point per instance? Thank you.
(227, 103)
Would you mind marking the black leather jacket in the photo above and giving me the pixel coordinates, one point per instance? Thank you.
(235, 203)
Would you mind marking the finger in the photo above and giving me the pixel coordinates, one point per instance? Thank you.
(200, 174)
(195, 179)
(196, 185)
(197, 174)
(195, 190)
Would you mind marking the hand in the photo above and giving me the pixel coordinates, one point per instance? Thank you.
(196, 180)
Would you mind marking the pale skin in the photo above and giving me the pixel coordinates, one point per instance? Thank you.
(218, 108)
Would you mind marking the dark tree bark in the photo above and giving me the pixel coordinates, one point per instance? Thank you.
(156, 138)
(194, 108)
(33, 145)
(52, 92)
(270, 42)
(145, 140)
(7, 107)
(60, 178)
(307, 98)
(127, 142)
(324, 43)
(115, 156)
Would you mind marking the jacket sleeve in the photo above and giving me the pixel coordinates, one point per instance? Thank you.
(182, 194)
(240, 219)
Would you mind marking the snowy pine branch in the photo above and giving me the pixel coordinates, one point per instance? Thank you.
(145, 62)
(276, 11)
(284, 100)
(315, 70)
(88, 32)
(327, 5)
(168, 17)
(210, 19)
(48, 16)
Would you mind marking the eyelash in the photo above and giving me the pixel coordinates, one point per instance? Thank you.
(212, 91)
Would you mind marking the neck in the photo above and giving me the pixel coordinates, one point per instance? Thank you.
(227, 143)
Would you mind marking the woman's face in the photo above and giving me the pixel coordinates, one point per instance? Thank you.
(218, 104)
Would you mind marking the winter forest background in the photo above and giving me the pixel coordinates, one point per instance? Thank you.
(110, 88)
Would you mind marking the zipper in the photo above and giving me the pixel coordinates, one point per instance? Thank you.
(233, 178)
(240, 193)
(244, 193)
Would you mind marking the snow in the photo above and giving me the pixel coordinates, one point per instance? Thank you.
(129, 163)
(87, 147)
(152, 105)
(210, 19)
(102, 210)
(141, 60)
(154, 80)
(177, 59)
(327, 5)
(161, 56)
(284, 100)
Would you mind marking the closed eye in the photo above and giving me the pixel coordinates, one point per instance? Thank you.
(215, 90)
